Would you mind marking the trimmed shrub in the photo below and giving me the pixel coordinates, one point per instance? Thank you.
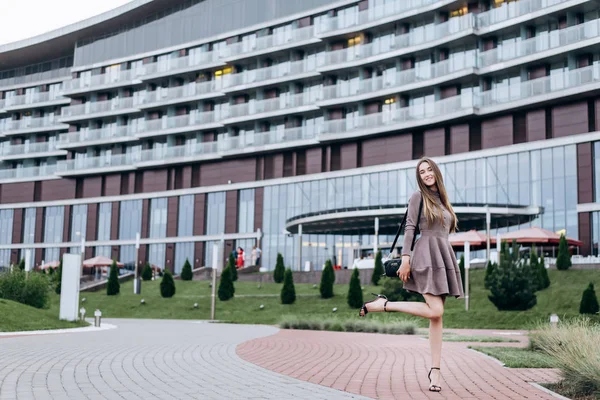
(378, 270)
(167, 285)
(394, 290)
(22, 264)
(355, 294)
(563, 259)
(33, 291)
(511, 283)
(226, 289)
(279, 272)
(461, 267)
(489, 271)
(541, 279)
(186, 271)
(589, 301)
(58, 278)
(232, 268)
(545, 278)
(147, 272)
(113, 287)
(327, 280)
(288, 291)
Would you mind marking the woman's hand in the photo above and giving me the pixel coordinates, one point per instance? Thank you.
(404, 270)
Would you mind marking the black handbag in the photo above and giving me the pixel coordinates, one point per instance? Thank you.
(392, 265)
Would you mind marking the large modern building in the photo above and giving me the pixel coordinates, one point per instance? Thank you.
(298, 123)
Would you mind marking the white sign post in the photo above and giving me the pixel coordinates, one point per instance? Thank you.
(467, 268)
(28, 263)
(215, 266)
(69, 289)
(137, 287)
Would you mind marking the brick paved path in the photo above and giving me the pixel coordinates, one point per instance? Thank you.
(391, 367)
(144, 359)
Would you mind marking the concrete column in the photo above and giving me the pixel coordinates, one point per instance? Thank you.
(299, 263)
(376, 238)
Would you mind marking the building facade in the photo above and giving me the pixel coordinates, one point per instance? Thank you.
(295, 123)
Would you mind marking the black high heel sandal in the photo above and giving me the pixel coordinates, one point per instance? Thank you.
(364, 306)
(433, 388)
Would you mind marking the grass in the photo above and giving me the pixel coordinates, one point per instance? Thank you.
(516, 357)
(562, 298)
(475, 339)
(348, 325)
(19, 317)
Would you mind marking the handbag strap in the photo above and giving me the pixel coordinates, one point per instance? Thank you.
(402, 225)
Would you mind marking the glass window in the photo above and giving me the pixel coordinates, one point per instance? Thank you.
(246, 211)
(156, 255)
(6, 227)
(130, 219)
(53, 225)
(185, 226)
(597, 171)
(104, 220)
(78, 225)
(127, 256)
(158, 218)
(215, 215)
(183, 251)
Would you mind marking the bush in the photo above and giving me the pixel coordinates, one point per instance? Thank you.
(167, 285)
(327, 280)
(541, 279)
(563, 259)
(378, 270)
(113, 287)
(147, 272)
(186, 271)
(511, 283)
(232, 268)
(461, 267)
(226, 289)
(33, 291)
(58, 278)
(351, 325)
(22, 264)
(355, 294)
(394, 290)
(489, 271)
(288, 292)
(279, 269)
(589, 301)
(545, 278)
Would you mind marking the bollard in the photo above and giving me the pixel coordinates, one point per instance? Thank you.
(554, 320)
(97, 318)
(82, 312)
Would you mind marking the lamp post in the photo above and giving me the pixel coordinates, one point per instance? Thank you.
(137, 289)
(79, 234)
(467, 268)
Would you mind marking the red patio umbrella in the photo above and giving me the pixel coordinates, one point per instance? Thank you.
(51, 264)
(475, 239)
(100, 261)
(536, 235)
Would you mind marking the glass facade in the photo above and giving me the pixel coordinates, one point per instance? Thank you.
(215, 220)
(53, 231)
(158, 218)
(130, 219)
(6, 229)
(104, 223)
(246, 211)
(185, 227)
(78, 225)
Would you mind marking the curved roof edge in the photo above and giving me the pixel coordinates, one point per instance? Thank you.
(74, 27)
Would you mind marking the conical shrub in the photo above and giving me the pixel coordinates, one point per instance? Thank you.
(589, 301)
(226, 289)
(563, 259)
(186, 271)
(113, 287)
(58, 278)
(543, 273)
(232, 268)
(147, 272)
(461, 267)
(22, 264)
(279, 272)
(327, 280)
(378, 270)
(167, 285)
(489, 271)
(288, 291)
(355, 294)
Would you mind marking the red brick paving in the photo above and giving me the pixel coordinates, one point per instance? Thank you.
(391, 366)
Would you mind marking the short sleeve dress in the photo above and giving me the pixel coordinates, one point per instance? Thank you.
(433, 266)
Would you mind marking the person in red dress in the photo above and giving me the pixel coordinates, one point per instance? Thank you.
(240, 258)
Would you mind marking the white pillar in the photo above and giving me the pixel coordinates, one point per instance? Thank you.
(136, 283)
(215, 266)
(376, 238)
(69, 294)
(488, 222)
(467, 268)
(299, 262)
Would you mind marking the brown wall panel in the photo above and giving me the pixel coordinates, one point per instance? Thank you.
(259, 196)
(145, 218)
(92, 186)
(17, 192)
(585, 174)
(459, 139)
(155, 180)
(585, 233)
(231, 210)
(313, 160)
(235, 170)
(67, 224)
(278, 166)
(114, 221)
(59, 189)
(172, 214)
(597, 114)
(348, 155)
(570, 119)
(386, 150)
(18, 219)
(92, 222)
(112, 185)
(170, 256)
(198, 254)
(497, 132)
(199, 213)
(434, 142)
(186, 180)
(535, 125)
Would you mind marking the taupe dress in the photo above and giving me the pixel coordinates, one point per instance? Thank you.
(433, 266)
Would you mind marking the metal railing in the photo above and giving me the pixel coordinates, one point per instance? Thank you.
(180, 92)
(89, 135)
(31, 123)
(94, 107)
(30, 172)
(33, 98)
(119, 160)
(178, 121)
(269, 105)
(514, 9)
(171, 65)
(263, 74)
(27, 148)
(98, 81)
(269, 41)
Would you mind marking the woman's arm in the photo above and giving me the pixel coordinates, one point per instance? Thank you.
(411, 224)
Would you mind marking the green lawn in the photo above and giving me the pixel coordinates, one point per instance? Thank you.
(514, 357)
(19, 317)
(562, 297)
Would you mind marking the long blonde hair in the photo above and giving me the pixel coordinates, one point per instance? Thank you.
(432, 210)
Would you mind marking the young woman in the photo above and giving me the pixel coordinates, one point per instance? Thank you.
(431, 269)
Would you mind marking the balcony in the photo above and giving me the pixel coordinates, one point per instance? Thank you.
(267, 141)
(183, 123)
(557, 42)
(32, 125)
(180, 94)
(282, 105)
(28, 174)
(102, 81)
(95, 109)
(400, 118)
(34, 100)
(431, 35)
(30, 150)
(172, 66)
(94, 137)
(294, 70)
(271, 43)
(90, 165)
(409, 79)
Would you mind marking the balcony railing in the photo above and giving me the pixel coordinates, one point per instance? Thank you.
(282, 70)
(180, 92)
(414, 38)
(93, 135)
(180, 121)
(99, 81)
(172, 65)
(30, 172)
(269, 41)
(174, 153)
(553, 40)
(96, 107)
(106, 161)
(269, 105)
(37, 77)
(32, 123)
(513, 10)
(28, 148)
(33, 98)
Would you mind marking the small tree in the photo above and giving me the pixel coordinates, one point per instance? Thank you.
(355, 294)
(232, 267)
(22, 264)
(279, 272)
(394, 290)
(545, 278)
(489, 271)
(327, 280)
(563, 259)
(226, 289)
(186, 271)
(461, 267)
(167, 285)
(288, 291)
(589, 301)
(58, 278)
(377, 271)
(541, 279)
(113, 287)
(147, 272)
